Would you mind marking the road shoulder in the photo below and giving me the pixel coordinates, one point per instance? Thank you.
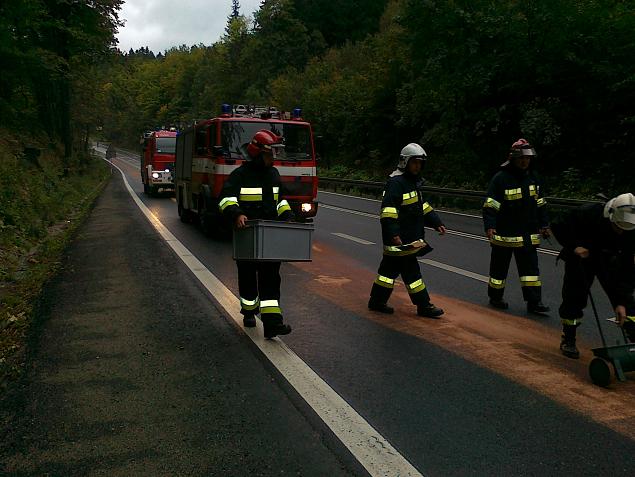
(136, 373)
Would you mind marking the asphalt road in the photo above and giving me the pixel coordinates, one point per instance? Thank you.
(135, 372)
(479, 392)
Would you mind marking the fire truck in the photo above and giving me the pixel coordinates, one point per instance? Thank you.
(157, 160)
(209, 151)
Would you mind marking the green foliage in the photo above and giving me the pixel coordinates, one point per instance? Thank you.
(489, 72)
(35, 197)
(43, 45)
(40, 209)
(464, 78)
(339, 21)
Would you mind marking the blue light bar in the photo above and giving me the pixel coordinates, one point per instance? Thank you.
(226, 108)
(297, 113)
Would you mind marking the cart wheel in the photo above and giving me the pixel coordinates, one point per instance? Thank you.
(600, 372)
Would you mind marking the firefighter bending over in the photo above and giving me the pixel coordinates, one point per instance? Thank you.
(598, 241)
(515, 216)
(252, 191)
(403, 216)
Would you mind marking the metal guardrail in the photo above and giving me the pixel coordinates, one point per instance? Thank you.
(455, 193)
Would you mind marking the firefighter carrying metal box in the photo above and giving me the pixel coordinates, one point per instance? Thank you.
(252, 191)
(515, 217)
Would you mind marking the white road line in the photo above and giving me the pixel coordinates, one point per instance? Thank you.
(349, 211)
(348, 196)
(379, 202)
(354, 239)
(450, 268)
(450, 232)
(128, 161)
(432, 263)
(368, 446)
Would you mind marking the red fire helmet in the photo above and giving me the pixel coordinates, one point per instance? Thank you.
(262, 141)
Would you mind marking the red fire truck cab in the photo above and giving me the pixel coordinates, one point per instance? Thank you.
(157, 160)
(209, 151)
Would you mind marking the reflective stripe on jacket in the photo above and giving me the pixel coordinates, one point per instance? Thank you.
(254, 191)
(515, 208)
(404, 213)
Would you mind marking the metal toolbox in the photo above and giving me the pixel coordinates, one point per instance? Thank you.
(269, 240)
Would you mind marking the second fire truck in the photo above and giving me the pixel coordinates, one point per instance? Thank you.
(209, 151)
(157, 160)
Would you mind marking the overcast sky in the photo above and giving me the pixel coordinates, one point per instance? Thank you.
(161, 24)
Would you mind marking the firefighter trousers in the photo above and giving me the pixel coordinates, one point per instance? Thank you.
(578, 278)
(389, 269)
(527, 264)
(259, 288)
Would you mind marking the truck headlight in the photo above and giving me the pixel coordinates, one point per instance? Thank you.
(155, 175)
(306, 207)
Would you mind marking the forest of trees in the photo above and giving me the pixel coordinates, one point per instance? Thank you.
(48, 51)
(465, 78)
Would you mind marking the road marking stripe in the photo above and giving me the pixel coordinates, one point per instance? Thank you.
(450, 232)
(450, 268)
(379, 202)
(349, 211)
(367, 445)
(354, 239)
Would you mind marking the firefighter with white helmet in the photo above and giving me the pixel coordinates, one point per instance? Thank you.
(412, 150)
(621, 211)
(598, 242)
(404, 214)
(252, 191)
(515, 218)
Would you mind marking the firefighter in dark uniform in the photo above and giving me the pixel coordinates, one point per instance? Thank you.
(403, 216)
(598, 241)
(252, 191)
(515, 217)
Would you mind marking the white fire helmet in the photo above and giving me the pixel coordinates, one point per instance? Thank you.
(621, 211)
(411, 151)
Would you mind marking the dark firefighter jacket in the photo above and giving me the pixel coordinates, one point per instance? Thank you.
(254, 190)
(587, 227)
(404, 213)
(515, 207)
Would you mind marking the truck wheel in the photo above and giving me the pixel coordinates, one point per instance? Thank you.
(146, 189)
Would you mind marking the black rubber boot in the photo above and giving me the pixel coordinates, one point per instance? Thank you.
(500, 304)
(380, 307)
(274, 329)
(429, 311)
(567, 345)
(537, 307)
(249, 321)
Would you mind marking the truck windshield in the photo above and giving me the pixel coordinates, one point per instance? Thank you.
(166, 145)
(236, 135)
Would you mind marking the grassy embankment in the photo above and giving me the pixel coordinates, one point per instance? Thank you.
(41, 207)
